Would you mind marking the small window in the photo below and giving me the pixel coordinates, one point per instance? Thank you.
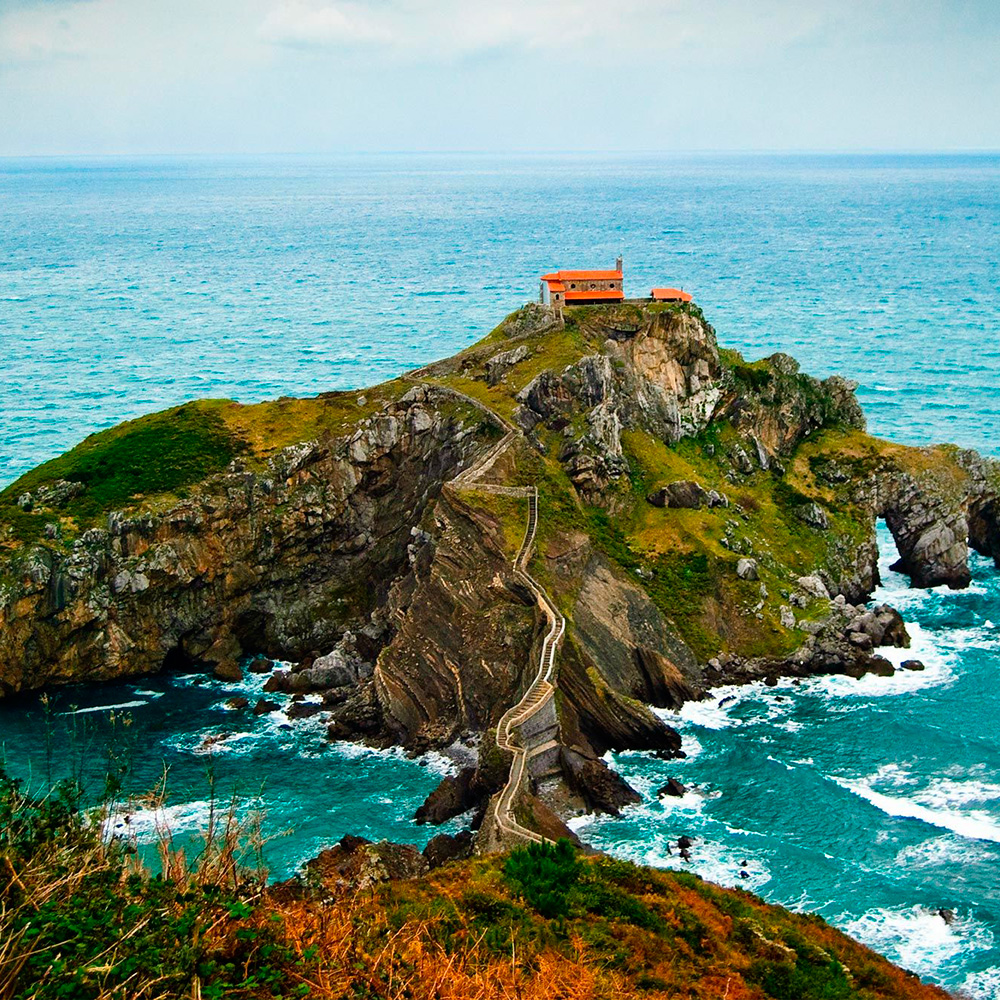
(592, 285)
(573, 285)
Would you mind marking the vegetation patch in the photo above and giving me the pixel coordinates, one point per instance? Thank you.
(158, 454)
(81, 918)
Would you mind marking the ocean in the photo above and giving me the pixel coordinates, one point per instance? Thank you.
(130, 285)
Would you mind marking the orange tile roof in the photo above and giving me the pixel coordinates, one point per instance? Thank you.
(556, 286)
(671, 293)
(582, 276)
(592, 294)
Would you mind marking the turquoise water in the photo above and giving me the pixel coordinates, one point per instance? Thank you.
(176, 731)
(126, 286)
(874, 803)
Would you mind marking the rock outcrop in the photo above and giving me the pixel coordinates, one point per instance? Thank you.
(701, 520)
(937, 502)
(659, 371)
(356, 863)
(845, 641)
(274, 560)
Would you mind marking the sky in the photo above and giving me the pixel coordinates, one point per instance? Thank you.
(99, 77)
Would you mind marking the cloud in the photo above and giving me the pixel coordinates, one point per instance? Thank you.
(36, 34)
(330, 75)
(431, 29)
(300, 23)
(444, 27)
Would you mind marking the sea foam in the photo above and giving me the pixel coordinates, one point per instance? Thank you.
(981, 985)
(975, 825)
(917, 937)
(146, 824)
(137, 703)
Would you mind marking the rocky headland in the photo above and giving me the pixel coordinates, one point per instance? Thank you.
(701, 520)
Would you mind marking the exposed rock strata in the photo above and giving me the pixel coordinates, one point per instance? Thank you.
(395, 596)
(434, 679)
(274, 561)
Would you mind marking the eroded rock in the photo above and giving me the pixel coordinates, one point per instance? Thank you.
(682, 494)
(356, 863)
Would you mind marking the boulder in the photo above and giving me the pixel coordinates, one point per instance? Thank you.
(602, 789)
(893, 628)
(264, 706)
(237, 704)
(860, 639)
(672, 787)
(227, 670)
(813, 515)
(746, 569)
(341, 667)
(279, 681)
(881, 666)
(454, 795)
(912, 665)
(445, 847)
(304, 710)
(814, 586)
(683, 494)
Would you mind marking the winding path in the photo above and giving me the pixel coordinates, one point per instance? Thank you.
(542, 687)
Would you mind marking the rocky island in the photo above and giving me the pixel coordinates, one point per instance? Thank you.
(695, 519)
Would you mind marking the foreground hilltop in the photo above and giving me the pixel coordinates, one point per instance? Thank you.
(700, 519)
(543, 922)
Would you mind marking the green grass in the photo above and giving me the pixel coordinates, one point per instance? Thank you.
(83, 922)
(158, 454)
(161, 456)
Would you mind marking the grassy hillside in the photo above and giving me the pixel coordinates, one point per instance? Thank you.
(685, 559)
(154, 460)
(82, 918)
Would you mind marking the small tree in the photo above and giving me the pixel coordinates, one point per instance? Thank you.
(543, 874)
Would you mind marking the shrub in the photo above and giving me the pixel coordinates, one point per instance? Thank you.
(543, 874)
(81, 918)
(802, 980)
(754, 376)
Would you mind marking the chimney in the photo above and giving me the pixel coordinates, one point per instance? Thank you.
(618, 264)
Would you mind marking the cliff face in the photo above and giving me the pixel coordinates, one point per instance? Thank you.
(701, 519)
(280, 559)
(464, 629)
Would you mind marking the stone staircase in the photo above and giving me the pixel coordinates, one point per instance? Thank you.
(540, 691)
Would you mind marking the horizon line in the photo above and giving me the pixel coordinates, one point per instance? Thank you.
(233, 154)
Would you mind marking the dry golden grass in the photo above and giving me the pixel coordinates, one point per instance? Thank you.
(460, 934)
(411, 961)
